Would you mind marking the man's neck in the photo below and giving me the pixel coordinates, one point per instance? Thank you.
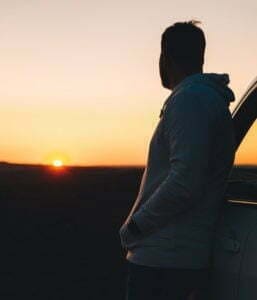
(182, 75)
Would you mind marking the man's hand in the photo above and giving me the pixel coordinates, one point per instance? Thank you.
(130, 234)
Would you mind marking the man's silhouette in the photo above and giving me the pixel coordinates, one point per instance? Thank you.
(169, 232)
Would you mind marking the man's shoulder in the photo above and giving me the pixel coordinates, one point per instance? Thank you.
(196, 98)
(193, 103)
(189, 97)
(194, 92)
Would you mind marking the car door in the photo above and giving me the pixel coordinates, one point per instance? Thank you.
(234, 273)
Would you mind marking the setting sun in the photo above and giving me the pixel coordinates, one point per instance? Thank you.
(57, 163)
(56, 159)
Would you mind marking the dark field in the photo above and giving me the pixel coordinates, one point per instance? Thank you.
(59, 231)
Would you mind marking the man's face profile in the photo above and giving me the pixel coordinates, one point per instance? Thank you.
(165, 68)
(164, 73)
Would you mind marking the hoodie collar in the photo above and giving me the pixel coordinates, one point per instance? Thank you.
(217, 81)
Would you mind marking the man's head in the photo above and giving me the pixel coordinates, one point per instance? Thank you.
(182, 52)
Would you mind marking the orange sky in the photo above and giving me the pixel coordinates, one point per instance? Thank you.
(80, 79)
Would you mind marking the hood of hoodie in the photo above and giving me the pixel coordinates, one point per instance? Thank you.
(219, 82)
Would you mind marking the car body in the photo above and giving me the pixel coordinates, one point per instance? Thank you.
(234, 265)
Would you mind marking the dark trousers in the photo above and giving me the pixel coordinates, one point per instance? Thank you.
(152, 283)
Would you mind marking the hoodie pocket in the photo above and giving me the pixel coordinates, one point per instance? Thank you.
(159, 240)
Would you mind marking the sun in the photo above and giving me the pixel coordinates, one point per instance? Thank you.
(56, 160)
(57, 163)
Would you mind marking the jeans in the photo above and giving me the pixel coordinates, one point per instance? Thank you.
(152, 283)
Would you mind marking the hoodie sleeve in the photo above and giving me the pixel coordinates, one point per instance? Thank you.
(188, 132)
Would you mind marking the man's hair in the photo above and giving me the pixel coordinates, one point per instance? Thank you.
(184, 43)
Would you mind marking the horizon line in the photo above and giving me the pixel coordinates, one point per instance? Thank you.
(70, 165)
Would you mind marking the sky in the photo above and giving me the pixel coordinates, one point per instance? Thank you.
(79, 80)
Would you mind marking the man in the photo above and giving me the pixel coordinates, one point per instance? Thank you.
(169, 232)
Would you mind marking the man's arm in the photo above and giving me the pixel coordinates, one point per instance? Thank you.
(189, 129)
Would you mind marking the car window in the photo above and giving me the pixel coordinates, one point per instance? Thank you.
(243, 179)
(247, 151)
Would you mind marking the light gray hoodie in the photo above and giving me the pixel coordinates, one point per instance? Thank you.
(182, 189)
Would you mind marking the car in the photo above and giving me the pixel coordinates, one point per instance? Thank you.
(234, 257)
